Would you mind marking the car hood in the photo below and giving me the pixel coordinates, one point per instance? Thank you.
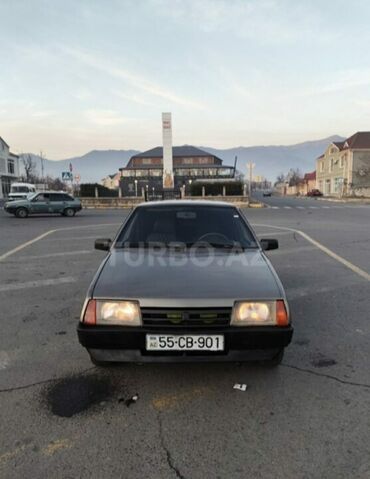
(20, 202)
(169, 279)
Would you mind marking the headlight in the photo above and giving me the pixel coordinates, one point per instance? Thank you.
(123, 313)
(259, 313)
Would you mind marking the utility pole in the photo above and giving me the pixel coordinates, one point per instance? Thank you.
(250, 166)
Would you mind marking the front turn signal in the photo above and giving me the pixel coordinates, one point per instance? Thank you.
(90, 313)
(282, 318)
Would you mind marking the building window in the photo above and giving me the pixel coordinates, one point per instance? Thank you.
(322, 166)
(337, 184)
(331, 164)
(11, 168)
(147, 161)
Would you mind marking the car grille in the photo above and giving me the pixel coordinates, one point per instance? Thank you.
(193, 317)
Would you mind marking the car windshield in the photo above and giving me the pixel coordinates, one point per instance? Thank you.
(187, 225)
(19, 189)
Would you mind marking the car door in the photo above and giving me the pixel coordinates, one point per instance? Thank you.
(56, 203)
(40, 204)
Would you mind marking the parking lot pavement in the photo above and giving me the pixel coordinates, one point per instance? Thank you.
(62, 417)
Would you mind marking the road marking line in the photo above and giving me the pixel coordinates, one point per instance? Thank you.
(280, 233)
(275, 207)
(301, 207)
(326, 207)
(287, 207)
(47, 233)
(10, 454)
(36, 284)
(71, 238)
(24, 245)
(324, 249)
(57, 445)
(53, 255)
(299, 249)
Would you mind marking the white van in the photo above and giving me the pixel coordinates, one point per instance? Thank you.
(19, 191)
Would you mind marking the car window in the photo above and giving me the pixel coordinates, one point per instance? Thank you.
(187, 224)
(41, 197)
(57, 197)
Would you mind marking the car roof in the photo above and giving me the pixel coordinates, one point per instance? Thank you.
(52, 191)
(186, 203)
(30, 185)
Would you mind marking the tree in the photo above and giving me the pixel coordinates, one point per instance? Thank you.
(294, 177)
(280, 178)
(29, 165)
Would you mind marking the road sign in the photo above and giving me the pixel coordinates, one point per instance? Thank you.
(67, 176)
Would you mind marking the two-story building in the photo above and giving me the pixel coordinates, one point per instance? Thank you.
(9, 168)
(144, 171)
(344, 168)
(111, 181)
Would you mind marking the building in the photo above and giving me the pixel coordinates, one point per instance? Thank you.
(309, 183)
(344, 168)
(9, 168)
(144, 171)
(111, 181)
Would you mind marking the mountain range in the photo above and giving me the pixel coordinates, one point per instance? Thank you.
(269, 161)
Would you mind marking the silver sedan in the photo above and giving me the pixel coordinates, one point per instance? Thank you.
(185, 281)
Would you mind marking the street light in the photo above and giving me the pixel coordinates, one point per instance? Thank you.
(135, 187)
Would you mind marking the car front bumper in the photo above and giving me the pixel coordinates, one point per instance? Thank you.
(127, 344)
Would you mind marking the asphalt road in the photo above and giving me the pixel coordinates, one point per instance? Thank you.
(309, 418)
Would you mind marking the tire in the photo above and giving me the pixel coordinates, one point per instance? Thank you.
(21, 213)
(275, 360)
(69, 212)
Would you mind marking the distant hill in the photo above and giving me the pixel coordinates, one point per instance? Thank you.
(92, 167)
(270, 161)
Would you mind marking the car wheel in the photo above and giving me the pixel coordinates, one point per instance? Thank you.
(21, 213)
(275, 360)
(69, 212)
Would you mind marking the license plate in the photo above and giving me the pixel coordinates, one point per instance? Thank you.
(188, 342)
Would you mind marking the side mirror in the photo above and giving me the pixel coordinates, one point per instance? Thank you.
(103, 244)
(269, 244)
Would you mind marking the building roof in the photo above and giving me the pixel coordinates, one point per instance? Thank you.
(360, 140)
(5, 143)
(339, 144)
(321, 156)
(177, 151)
(175, 167)
(310, 176)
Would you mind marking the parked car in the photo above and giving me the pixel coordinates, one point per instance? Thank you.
(267, 192)
(44, 203)
(314, 192)
(19, 191)
(185, 281)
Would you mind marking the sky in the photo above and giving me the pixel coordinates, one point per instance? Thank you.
(80, 75)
